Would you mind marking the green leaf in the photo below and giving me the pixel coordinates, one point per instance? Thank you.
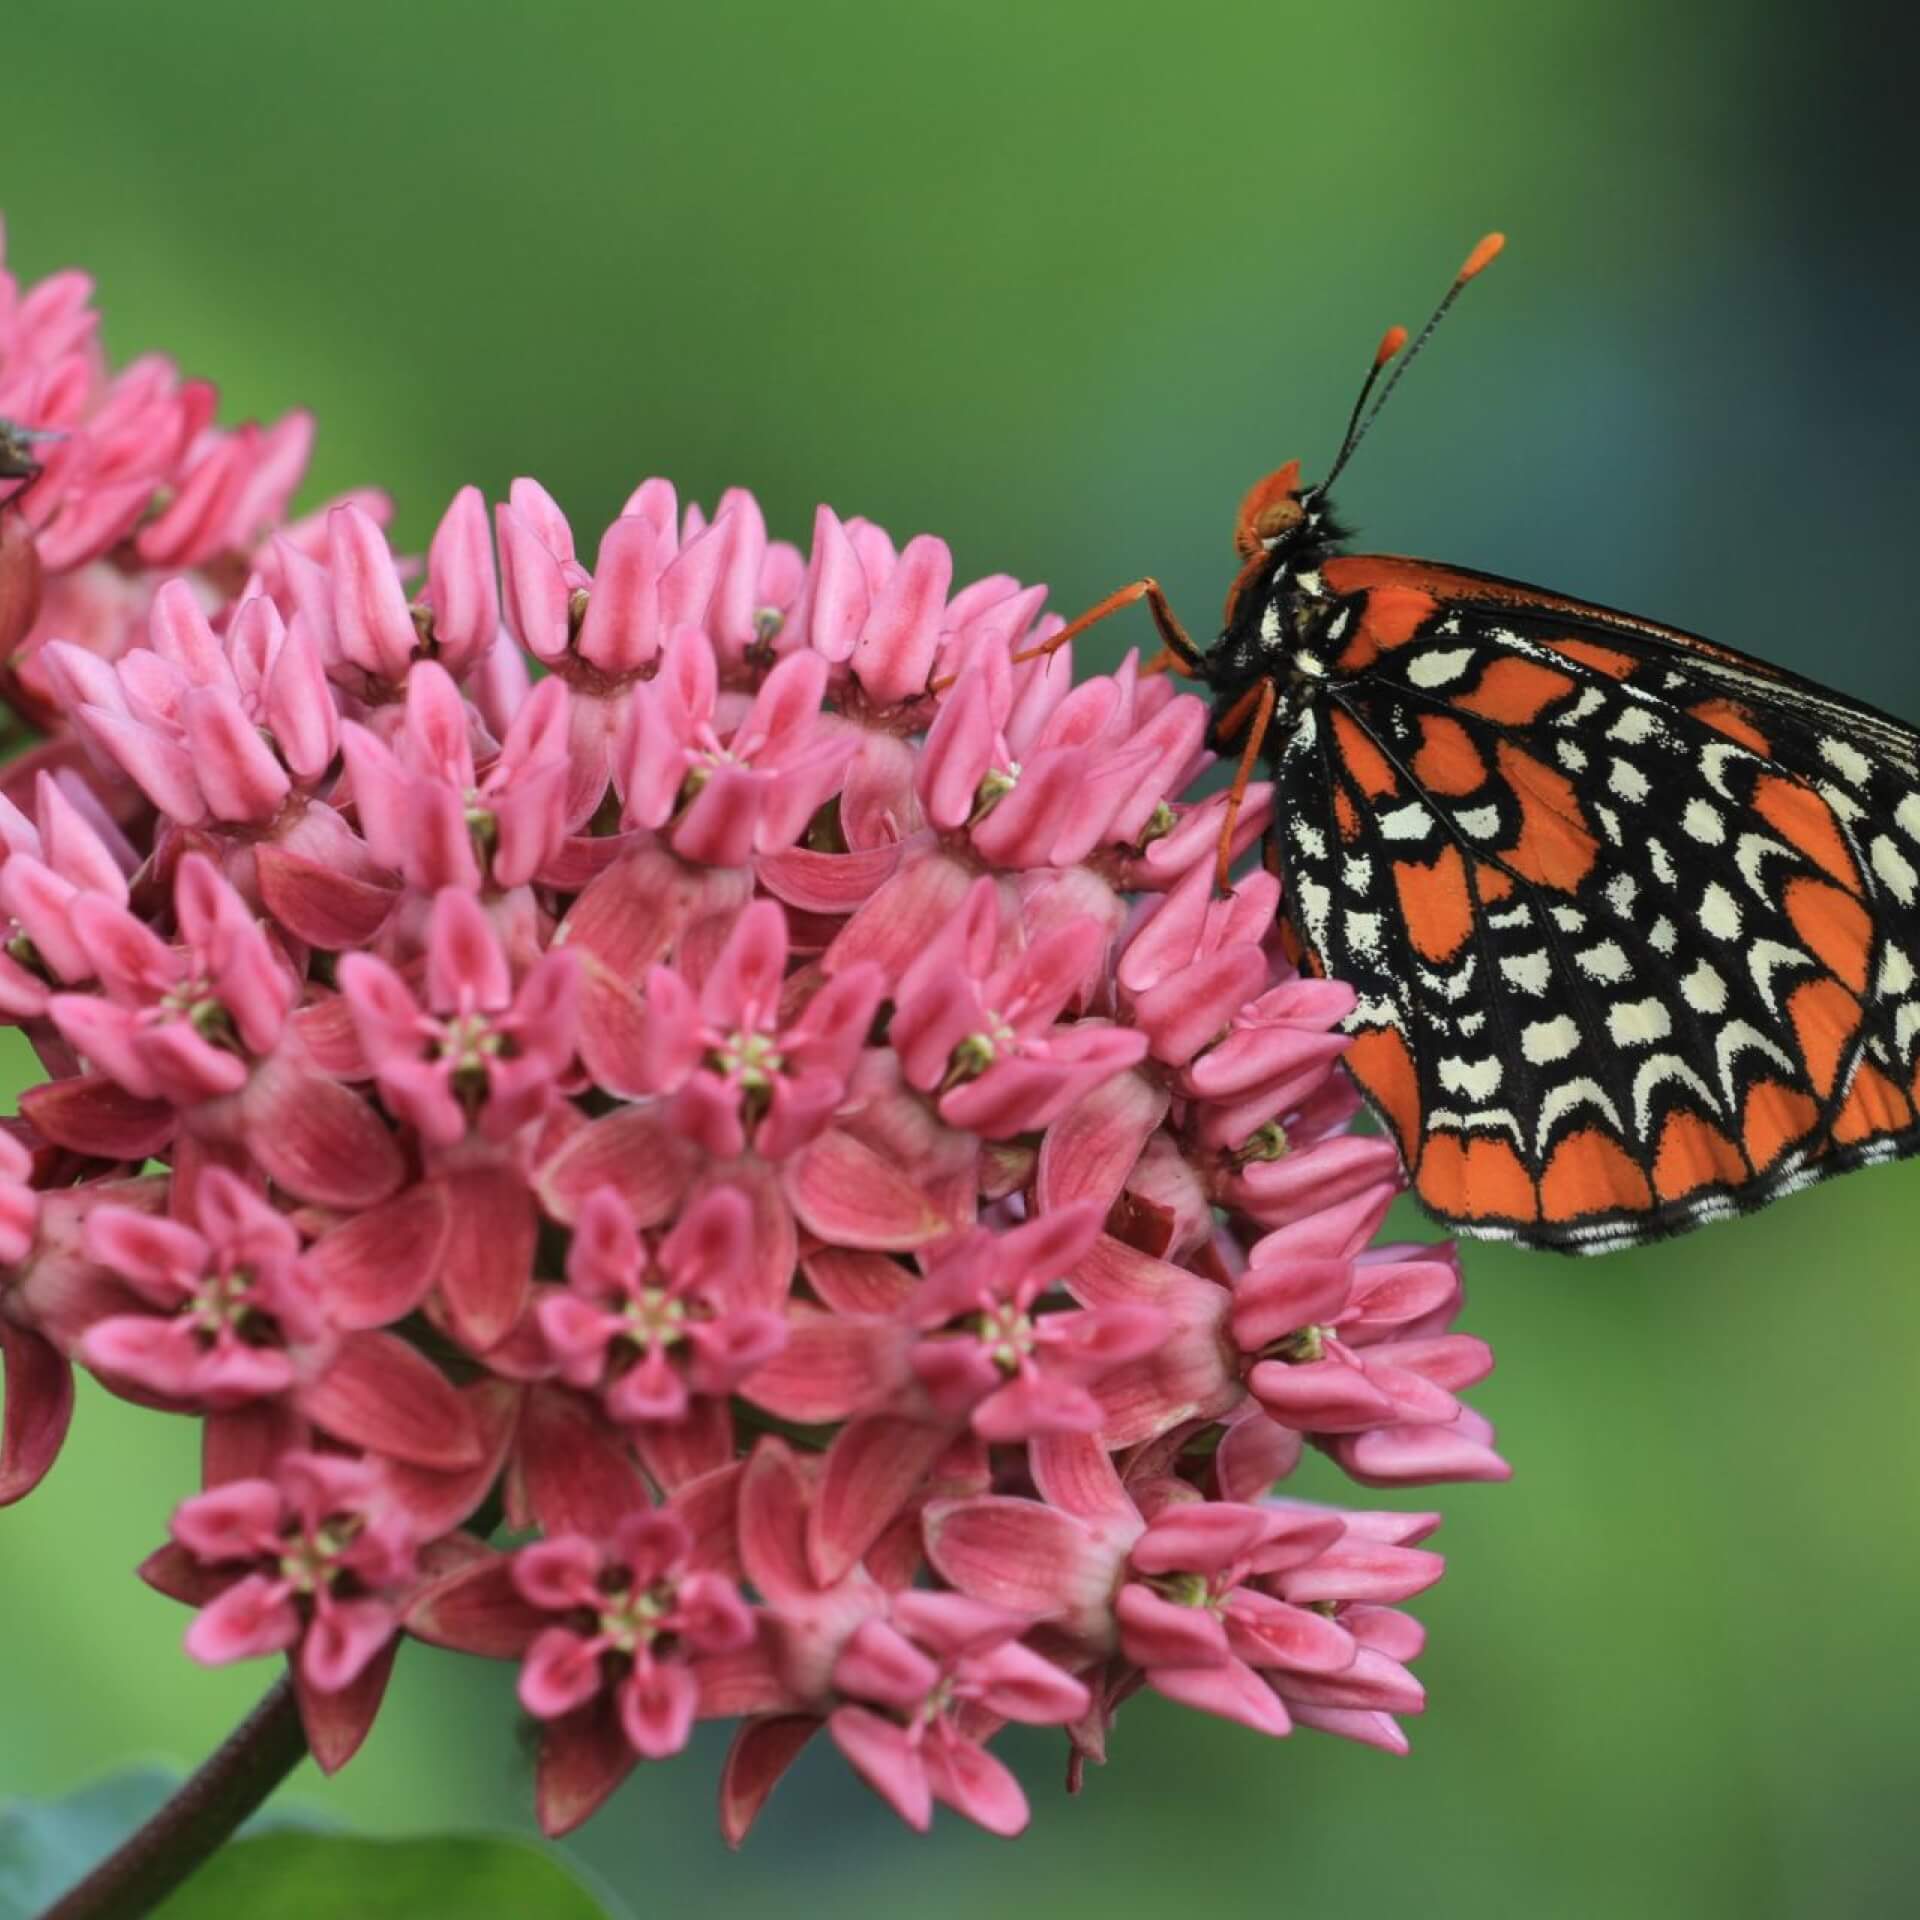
(46, 1846)
(327, 1876)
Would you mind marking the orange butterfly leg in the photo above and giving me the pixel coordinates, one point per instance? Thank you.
(1264, 697)
(1172, 633)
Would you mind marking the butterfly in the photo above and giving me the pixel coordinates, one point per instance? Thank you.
(1633, 919)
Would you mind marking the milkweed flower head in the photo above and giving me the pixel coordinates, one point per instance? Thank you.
(685, 1114)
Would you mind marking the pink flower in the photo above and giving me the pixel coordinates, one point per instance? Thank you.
(429, 814)
(220, 727)
(987, 1034)
(231, 1317)
(481, 1053)
(639, 1614)
(313, 1561)
(651, 1329)
(740, 1071)
(986, 1353)
(177, 1023)
(579, 1020)
(67, 849)
(1324, 1336)
(1174, 1589)
(921, 1686)
(721, 800)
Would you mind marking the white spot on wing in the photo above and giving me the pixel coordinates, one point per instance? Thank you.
(1847, 760)
(1639, 1023)
(1704, 822)
(1894, 869)
(1720, 913)
(1471, 1079)
(1411, 822)
(1439, 668)
(1605, 962)
(1528, 972)
(1628, 781)
(1704, 989)
(1545, 1041)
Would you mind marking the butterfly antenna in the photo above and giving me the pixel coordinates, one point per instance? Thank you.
(1391, 347)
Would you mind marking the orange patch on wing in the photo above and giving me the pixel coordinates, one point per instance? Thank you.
(1448, 762)
(1608, 660)
(1734, 721)
(1694, 1153)
(1802, 819)
(1346, 815)
(1476, 1178)
(1368, 765)
(1774, 1119)
(1873, 1106)
(1515, 692)
(1379, 1060)
(1825, 1019)
(1554, 848)
(1591, 1172)
(1490, 884)
(1835, 927)
(1393, 615)
(1434, 904)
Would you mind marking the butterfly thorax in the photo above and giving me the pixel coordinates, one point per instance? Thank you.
(1284, 625)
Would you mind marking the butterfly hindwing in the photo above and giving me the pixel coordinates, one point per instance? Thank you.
(1634, 921)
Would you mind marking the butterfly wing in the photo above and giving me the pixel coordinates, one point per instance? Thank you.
(1634, 920)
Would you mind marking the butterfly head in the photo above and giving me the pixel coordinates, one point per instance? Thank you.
(1279, 515)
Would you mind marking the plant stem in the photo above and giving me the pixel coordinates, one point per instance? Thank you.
(132, 1880)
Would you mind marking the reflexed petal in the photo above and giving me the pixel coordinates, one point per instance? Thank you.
(254, 1616)
(561, 1672)
(881, 1754)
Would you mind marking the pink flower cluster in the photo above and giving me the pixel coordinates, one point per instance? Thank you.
(693, 1123)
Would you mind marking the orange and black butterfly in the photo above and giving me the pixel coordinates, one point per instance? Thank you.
(1634, 919)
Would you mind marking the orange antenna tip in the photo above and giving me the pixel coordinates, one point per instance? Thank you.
(1391, 342)
(1482, 257)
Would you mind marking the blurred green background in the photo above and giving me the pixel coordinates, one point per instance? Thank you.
(1057, 281)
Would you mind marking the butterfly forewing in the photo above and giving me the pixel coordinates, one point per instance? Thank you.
(1634, 921)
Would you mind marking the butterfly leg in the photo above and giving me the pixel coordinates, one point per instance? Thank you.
(1184, 654)
(1259, 699)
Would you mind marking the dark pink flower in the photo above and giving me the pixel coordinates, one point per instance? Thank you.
(635, 1617)
(923, 1685)
(313, 1561)
(653, 1328)
(988, 1349)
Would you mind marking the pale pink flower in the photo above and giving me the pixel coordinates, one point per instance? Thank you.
(228, 1316)
(740, 1071)
(986, 1033)
(427, 812)
(723, 799)
(480, 1053)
